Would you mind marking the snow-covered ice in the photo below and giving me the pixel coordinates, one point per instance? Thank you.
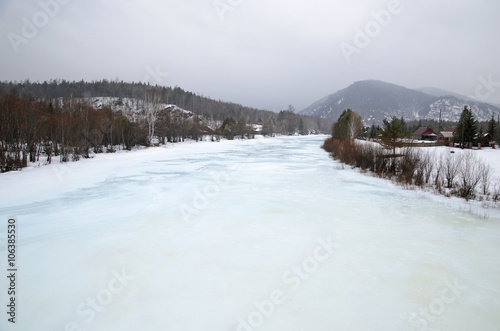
(267, 234)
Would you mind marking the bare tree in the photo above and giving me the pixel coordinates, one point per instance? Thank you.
(152, 108)
(355, 126)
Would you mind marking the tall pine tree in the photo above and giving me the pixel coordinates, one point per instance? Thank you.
(393, 131)
(492, 126)
(466, 131)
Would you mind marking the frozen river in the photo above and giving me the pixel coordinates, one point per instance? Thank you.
(268, 234)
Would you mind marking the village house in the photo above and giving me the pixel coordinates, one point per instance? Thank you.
(424, 133)
(488, 140)
(446, 136)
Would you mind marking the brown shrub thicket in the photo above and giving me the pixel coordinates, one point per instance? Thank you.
(30, 128)
(463, 175)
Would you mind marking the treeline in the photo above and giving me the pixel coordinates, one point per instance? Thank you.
(30, 128)
(468, 130)
(209, 109)
(58, 119)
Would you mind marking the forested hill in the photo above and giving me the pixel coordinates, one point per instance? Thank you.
(211, 110)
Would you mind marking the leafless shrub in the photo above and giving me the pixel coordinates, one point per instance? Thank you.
(438, 173)
(495, 194)
(409, 166)
(463, 175)
(485, 171)
(428, 163)
(367, 157)
(451, 166)
(470, 177)
(381, 162)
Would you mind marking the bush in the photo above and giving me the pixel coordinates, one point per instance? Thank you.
(408, 167)
(451, 167)
(460, 173)
(470, 176)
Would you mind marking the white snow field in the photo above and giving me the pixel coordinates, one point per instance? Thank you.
(267, 234)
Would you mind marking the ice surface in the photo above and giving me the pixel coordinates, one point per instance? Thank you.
(232, 236)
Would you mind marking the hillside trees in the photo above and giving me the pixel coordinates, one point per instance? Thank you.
(211, 110)
(241, 126)
(268, 127)
(287, 121)
(29, 128)
(228, 127)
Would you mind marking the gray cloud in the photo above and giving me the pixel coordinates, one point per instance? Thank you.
(266, 54)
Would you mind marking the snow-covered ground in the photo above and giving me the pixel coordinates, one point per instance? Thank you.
(267, 234)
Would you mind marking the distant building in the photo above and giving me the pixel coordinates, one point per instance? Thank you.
(154, 141)
(256, 128)
(446, 137)
(424, 133)
(488, 139)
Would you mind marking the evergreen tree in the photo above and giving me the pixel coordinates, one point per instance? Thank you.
(404, 125)
(301, 127)
(393, 132)
(497, 133)
(467, 127)
(480, 136)
(241, 126)
(372, 133)
(349, 124)
(492, 126)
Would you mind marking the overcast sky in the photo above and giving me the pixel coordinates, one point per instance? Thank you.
(262, 53)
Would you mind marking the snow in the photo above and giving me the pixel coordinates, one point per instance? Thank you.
(264, 234)
(487, 155)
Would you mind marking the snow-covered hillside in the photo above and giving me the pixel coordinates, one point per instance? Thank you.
(376, 101)
(130, 107)
(451, 108)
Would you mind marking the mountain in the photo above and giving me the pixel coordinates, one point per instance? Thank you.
(375, 100)
(437, 92)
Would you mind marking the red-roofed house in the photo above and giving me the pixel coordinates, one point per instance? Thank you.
(425, 134)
